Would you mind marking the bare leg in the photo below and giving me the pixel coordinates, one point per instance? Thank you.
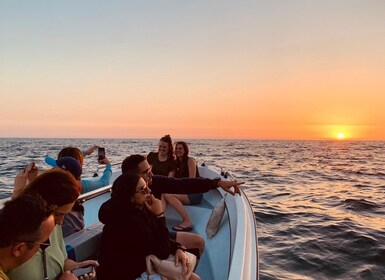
(190, 240)
(176, 201)
(164, 202)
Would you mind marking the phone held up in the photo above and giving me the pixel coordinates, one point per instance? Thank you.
(101, 154)
(82, 271)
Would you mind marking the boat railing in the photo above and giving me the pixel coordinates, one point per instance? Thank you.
(100, 191)
(100, 167)
(246, 267)
(89, 195)
(245, 219)
(81, 199)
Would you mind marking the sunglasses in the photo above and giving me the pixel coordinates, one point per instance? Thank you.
(43, 245)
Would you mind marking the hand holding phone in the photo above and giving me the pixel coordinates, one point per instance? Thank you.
(101, 154)
(82, 271)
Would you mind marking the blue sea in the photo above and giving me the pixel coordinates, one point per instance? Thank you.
(319, 205)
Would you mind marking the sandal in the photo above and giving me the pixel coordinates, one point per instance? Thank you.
(180, 228)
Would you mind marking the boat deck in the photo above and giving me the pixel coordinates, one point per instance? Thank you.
(209, 264)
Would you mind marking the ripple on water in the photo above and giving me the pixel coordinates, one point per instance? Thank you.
(359, 204)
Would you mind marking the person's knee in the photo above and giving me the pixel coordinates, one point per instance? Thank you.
(200, 243)
(191, 240)
(166, 196)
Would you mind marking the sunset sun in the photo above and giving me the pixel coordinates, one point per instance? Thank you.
(340, 136)
(340, 132)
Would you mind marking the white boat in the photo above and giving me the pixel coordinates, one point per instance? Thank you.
(231, 254)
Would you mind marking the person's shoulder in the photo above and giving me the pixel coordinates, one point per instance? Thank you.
(171, 159)
(105, 212)
(158, 179)
(152, 156)
(191, 160)
(57, 233)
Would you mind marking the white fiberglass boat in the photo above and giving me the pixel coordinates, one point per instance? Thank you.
(230, 254)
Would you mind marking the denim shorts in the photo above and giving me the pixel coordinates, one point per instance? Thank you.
(195, 198)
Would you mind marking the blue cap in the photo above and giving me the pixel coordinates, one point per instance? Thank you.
(67, 163)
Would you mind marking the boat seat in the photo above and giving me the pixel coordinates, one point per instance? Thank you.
(84, 244)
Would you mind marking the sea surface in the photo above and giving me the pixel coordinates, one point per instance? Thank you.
(319, 205)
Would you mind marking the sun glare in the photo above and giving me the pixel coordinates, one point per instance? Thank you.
(339, 132)
(340, 136)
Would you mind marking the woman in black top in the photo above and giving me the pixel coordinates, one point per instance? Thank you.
(134, 228)
(163, 162)
(186, 167)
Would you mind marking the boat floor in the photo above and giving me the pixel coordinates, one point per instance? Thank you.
(210, 266)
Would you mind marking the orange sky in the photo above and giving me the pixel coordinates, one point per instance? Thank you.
(263, 70)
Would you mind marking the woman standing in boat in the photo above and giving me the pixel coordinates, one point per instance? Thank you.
(186, 168)
(134, 228)
(163, 162)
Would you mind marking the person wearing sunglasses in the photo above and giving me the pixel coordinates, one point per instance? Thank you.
(26, 223)
(60, 189)
(158, 184)
(135, 227)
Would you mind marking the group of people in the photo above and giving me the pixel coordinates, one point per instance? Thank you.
(176, 163)
(134, 221)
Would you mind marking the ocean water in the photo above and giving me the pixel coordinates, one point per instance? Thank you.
(319, 205)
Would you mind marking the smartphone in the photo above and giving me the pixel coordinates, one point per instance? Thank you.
(101, 154)
(83, 270)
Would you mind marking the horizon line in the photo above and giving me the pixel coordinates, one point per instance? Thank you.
(194, 138)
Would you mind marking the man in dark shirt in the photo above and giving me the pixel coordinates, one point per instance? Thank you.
(162, 184)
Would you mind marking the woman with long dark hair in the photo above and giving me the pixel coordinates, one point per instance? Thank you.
(135, 227)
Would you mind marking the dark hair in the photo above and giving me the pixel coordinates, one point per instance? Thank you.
(182, 164)
(72, 152)
(130, 164)
(56, 186)
(167, 139)
(185, 148)
(124, 187)
(21, 219)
